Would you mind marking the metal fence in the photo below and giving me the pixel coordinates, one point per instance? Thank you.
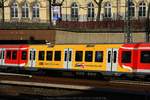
(116, 25)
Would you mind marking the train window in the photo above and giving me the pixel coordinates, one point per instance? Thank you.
(99, 56)
(88, 56)
(79, 56)
(0, 54)
(115, 56)
(24, 55)
(126, 57)
(70, 55)
(49, 55)
(8, 54)
(145, 57)
(109, 56)
(14, 55)
(32, 55)
(57, 56)
(41, 55)
(3, 53)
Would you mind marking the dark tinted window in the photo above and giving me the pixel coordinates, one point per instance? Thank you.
(79, 56)
(115, 56)
(41, 55)
(14, 55)
(109, 56)
(99, 56)
(49, 55)
(145, 57)
(8, 55)
(24, 55)
(57, 56)
(126, 57)
(2, 54)
(89, 56)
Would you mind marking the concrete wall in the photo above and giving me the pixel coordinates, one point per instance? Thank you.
(61, 37)
(72, 37)
(27, 34)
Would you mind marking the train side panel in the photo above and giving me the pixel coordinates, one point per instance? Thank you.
(102, 57)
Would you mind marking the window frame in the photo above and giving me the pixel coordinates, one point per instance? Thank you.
(14, 55)
(25, 10)
(77, 59)
(100, 59)
(9, 57)
(24, 57)
(144, 60)
(87, 58)
(126, 60)
(36, 10)
(41, 55)
(51, 56)
(14, 10)
(56, 57)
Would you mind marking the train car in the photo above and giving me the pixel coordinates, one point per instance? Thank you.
(106, 59)
(100, 58)
(135, 57)
(13, 55)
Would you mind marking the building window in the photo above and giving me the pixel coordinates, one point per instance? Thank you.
(142, 9)
(90, 13)
(132, 9)
(14, 10)
(36, 11)
(25, 10)
(74, 11)
(107, 10)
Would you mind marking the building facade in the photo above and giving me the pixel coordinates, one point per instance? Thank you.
(72, 10)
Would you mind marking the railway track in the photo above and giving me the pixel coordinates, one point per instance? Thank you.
(27, 82)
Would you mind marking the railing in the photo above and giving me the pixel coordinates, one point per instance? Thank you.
(113, 25)
(117, 25)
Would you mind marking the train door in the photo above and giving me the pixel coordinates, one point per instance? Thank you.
(67, 58)
(2, 52)
(112, 59)
(32, 60)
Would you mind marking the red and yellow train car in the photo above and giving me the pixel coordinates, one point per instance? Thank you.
(106, 59)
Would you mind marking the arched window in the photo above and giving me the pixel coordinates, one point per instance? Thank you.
(14, 10)
(142, 9)
(90, 12)
(36, 11)
(107, 10)
(25, 10)
(74, 11)
(132, 9)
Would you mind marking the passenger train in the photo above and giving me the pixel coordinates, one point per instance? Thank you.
(106, 59)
